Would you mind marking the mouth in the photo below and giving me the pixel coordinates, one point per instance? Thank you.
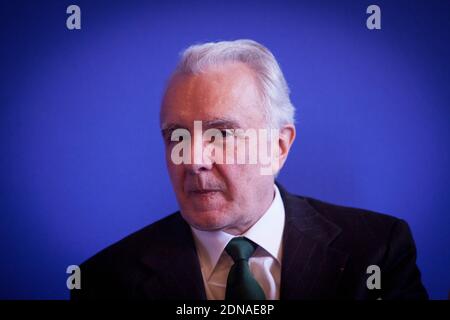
(203, 192)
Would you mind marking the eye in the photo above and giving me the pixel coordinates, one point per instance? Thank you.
(168, 137)
(170, 141)
(227, 133)
(176, 136)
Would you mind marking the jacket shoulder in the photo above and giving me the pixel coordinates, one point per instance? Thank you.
(361, 230)
(348, 217)
(372, 238)
(114, 272)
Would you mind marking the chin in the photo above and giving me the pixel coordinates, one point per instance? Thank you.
(206, 221)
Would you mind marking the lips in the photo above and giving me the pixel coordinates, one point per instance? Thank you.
(198, 186)
(203, 191)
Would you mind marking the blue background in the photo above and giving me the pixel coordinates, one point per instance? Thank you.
(81, 158)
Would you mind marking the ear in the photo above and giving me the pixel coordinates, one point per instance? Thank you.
(285, 140)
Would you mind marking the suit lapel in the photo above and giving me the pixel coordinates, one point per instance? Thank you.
(176, 272)
(311, 269)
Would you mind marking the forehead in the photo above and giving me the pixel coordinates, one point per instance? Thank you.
(229, 91)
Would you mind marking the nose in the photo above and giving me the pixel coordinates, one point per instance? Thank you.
(201, 158)
(197, 168)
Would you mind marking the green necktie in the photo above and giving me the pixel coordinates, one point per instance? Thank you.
(241, 285)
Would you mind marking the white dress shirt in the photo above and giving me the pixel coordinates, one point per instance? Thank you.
(265, 264)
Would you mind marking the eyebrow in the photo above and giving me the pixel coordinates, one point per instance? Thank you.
(221, 123)
(214, 123)
(167, 129)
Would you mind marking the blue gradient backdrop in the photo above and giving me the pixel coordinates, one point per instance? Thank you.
(81, 159)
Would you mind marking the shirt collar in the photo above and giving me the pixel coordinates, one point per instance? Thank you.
(267, 232)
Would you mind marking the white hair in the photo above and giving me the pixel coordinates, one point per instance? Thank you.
(274, 90)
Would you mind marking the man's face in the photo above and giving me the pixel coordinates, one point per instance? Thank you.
(216, 196)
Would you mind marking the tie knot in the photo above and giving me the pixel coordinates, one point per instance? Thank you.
(240, 248)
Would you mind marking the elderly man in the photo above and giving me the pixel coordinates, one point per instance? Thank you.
(238, 234)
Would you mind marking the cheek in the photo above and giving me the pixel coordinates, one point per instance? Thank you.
(175, 172)
(238, 177)
(242, 182)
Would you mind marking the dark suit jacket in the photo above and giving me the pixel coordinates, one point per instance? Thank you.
(326, 252)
